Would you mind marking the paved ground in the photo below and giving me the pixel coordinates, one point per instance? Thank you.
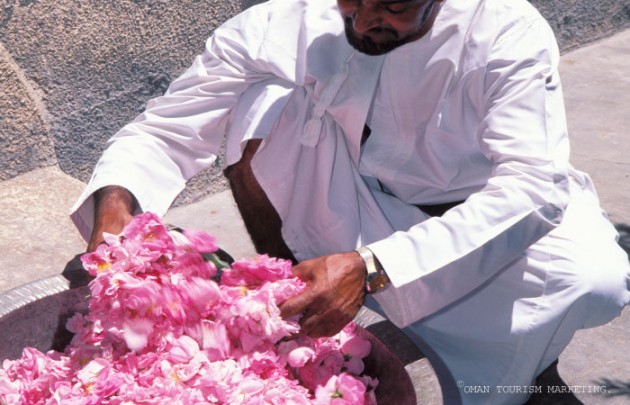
(37, 239)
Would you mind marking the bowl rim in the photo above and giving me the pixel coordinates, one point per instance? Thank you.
(25, 294)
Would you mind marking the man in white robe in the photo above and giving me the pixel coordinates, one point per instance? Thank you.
(431, 133)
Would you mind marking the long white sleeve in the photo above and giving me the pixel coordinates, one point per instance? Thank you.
(180, 133)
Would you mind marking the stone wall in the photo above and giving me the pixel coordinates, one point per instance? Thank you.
(579, 22)
(72, 72)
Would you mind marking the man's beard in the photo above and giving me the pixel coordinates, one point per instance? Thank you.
(367, 45)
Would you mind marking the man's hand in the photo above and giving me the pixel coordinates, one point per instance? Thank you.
(113, 209)
(334, 294)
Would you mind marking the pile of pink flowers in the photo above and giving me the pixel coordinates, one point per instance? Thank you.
(160, 330)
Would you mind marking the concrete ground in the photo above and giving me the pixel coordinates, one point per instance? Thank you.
(37, 239)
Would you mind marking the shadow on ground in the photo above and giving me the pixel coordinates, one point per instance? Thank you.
(624, 237)
(550, 383)
(616, 388)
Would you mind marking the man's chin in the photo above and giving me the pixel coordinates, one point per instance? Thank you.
(368, 46)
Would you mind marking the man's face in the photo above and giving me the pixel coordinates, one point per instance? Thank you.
(376, 27)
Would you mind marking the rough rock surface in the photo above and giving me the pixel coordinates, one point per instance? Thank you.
(72, 72)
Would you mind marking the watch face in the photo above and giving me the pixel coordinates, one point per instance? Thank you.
(377, 282)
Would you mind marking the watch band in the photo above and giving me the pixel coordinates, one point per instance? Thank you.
(376, 278)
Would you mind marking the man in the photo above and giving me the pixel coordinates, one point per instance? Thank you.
(430, 136)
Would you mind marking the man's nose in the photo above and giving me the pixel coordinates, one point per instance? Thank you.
(365, 18)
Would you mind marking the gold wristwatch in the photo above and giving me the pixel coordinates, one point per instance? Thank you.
(376, 278)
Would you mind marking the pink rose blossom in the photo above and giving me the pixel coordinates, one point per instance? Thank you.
(200, 241)
(342, 389)
(252, 273)
(300, 356)
(160, 331)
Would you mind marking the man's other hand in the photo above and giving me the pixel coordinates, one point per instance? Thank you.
(334, 294)
(113, 209)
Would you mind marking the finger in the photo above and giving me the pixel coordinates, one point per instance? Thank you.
(302, 272)
(296, 304)
(94, 244)
(320, 325)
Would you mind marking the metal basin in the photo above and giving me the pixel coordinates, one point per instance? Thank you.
(35, 315)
